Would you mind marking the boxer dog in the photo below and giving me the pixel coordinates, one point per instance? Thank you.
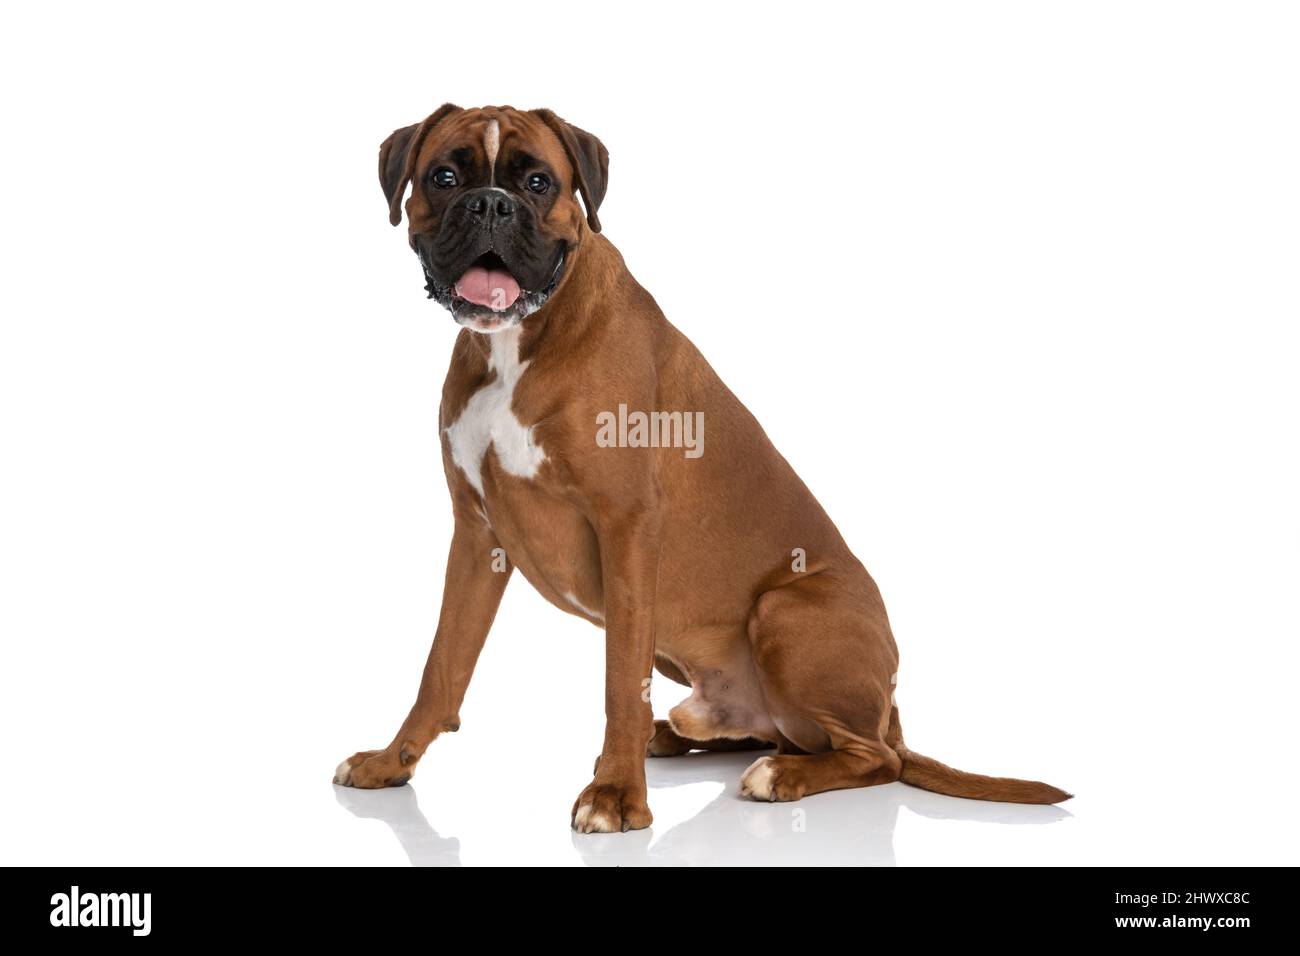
(681, 552)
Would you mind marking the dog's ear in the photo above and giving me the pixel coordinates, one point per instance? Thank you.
(392, 166)
(397, 156)
(589, 159)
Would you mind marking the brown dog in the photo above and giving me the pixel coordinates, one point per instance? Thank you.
(572, 427)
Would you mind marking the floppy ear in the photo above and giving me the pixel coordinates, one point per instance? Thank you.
(589, 158)
(397, 156)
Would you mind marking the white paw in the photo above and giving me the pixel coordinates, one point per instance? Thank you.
(757, 780)
(343, 774)
(590, 820)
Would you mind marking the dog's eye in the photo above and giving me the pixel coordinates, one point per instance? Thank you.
(539, 183)
(443, 177)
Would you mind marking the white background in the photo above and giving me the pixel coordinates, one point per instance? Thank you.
(1012, 285)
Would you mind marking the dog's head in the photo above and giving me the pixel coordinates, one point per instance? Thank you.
(493, 214)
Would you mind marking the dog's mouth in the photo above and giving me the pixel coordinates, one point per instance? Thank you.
(488, 283)
(487, 297)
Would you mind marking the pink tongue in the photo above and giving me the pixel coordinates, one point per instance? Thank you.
(495, 288)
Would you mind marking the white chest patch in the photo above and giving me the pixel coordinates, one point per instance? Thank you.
(489, 420)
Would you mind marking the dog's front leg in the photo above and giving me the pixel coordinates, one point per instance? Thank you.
(477, 572)
(616, 799)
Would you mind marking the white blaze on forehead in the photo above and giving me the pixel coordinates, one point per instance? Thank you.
(491, 146)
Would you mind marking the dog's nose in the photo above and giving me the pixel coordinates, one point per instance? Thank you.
(490, 204)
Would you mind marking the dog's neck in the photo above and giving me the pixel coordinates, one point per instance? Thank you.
(585, 301)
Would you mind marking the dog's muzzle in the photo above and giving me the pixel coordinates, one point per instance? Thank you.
(487, 264)
(487, 297)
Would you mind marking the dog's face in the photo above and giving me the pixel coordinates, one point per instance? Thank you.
(493, 215)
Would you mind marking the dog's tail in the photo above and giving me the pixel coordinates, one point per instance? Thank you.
(929, 774)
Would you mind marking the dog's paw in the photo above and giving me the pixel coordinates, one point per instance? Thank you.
(372, 769)
(666, 742)
(769, 779)
(607, 808)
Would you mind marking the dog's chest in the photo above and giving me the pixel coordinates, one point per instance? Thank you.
(489, 421)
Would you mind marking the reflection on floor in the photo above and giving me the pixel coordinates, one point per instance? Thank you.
(397, 807)
(845, 827)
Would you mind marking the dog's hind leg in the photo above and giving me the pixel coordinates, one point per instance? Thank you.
(826, 660)
(790, 777)
(668, 743)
